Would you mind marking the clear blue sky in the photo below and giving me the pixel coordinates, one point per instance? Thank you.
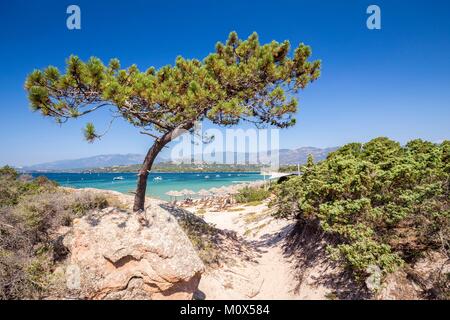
(391, 82)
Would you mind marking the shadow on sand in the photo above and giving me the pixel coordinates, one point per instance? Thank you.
(215, 246)
(306, 246)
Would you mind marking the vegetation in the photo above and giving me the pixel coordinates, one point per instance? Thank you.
(31, 212)
(253, 203)
(383, 205)
(252, 195)
(288, 168)
(241, 81)
(235, 209)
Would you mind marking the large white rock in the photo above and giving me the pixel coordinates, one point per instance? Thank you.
(114, 256)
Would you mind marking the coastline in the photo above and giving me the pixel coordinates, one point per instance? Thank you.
(159, 184)
(128, 172)
(237, 186)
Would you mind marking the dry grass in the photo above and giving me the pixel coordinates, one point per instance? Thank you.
(255, 230)
(253, 203)
(200, 212)
(252, 217)
(30, 245)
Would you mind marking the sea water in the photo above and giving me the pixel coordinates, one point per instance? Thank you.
(155, 188)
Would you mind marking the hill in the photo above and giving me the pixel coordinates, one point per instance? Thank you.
(131, 162)
(108, 160)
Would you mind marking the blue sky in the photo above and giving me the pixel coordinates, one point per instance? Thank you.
(391, 82)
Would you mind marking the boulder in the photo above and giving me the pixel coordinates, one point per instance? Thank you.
(427, 278)
(114, 255)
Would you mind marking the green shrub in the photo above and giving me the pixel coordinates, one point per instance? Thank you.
(13, 186)
(249, 194)
(30, 212)
(9, 173)
(86, 202)
(384, 204)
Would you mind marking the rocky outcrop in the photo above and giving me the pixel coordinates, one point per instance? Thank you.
(426, 279)
(113, 255)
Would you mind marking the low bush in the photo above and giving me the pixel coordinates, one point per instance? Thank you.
(249, 194)
(31, 211)
(383, 204)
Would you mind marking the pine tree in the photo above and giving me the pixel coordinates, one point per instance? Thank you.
(241, 81)
(310, 161)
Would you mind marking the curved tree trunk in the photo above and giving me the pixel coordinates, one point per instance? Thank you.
(139, 198)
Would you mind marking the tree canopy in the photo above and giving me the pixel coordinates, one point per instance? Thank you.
(241, 80)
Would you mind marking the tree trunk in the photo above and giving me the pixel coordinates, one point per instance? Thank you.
(139, 198)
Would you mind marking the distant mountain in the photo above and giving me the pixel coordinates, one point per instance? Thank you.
(286, 156)
(300, 155)
(91, 162)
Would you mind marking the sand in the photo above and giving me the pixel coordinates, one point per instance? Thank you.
(265, 271)
(271, 274)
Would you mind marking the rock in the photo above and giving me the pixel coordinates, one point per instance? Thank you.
(373, 281)
(425, 279)
(397, 286)
(113, 256)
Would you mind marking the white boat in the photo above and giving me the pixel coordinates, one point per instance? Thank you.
(119, 178)
(206, 177)
(217, 175)
(157, 178)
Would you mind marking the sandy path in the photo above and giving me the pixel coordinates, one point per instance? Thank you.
(269, 275)
(264, 271)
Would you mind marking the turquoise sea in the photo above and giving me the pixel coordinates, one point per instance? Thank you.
(155, 188)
